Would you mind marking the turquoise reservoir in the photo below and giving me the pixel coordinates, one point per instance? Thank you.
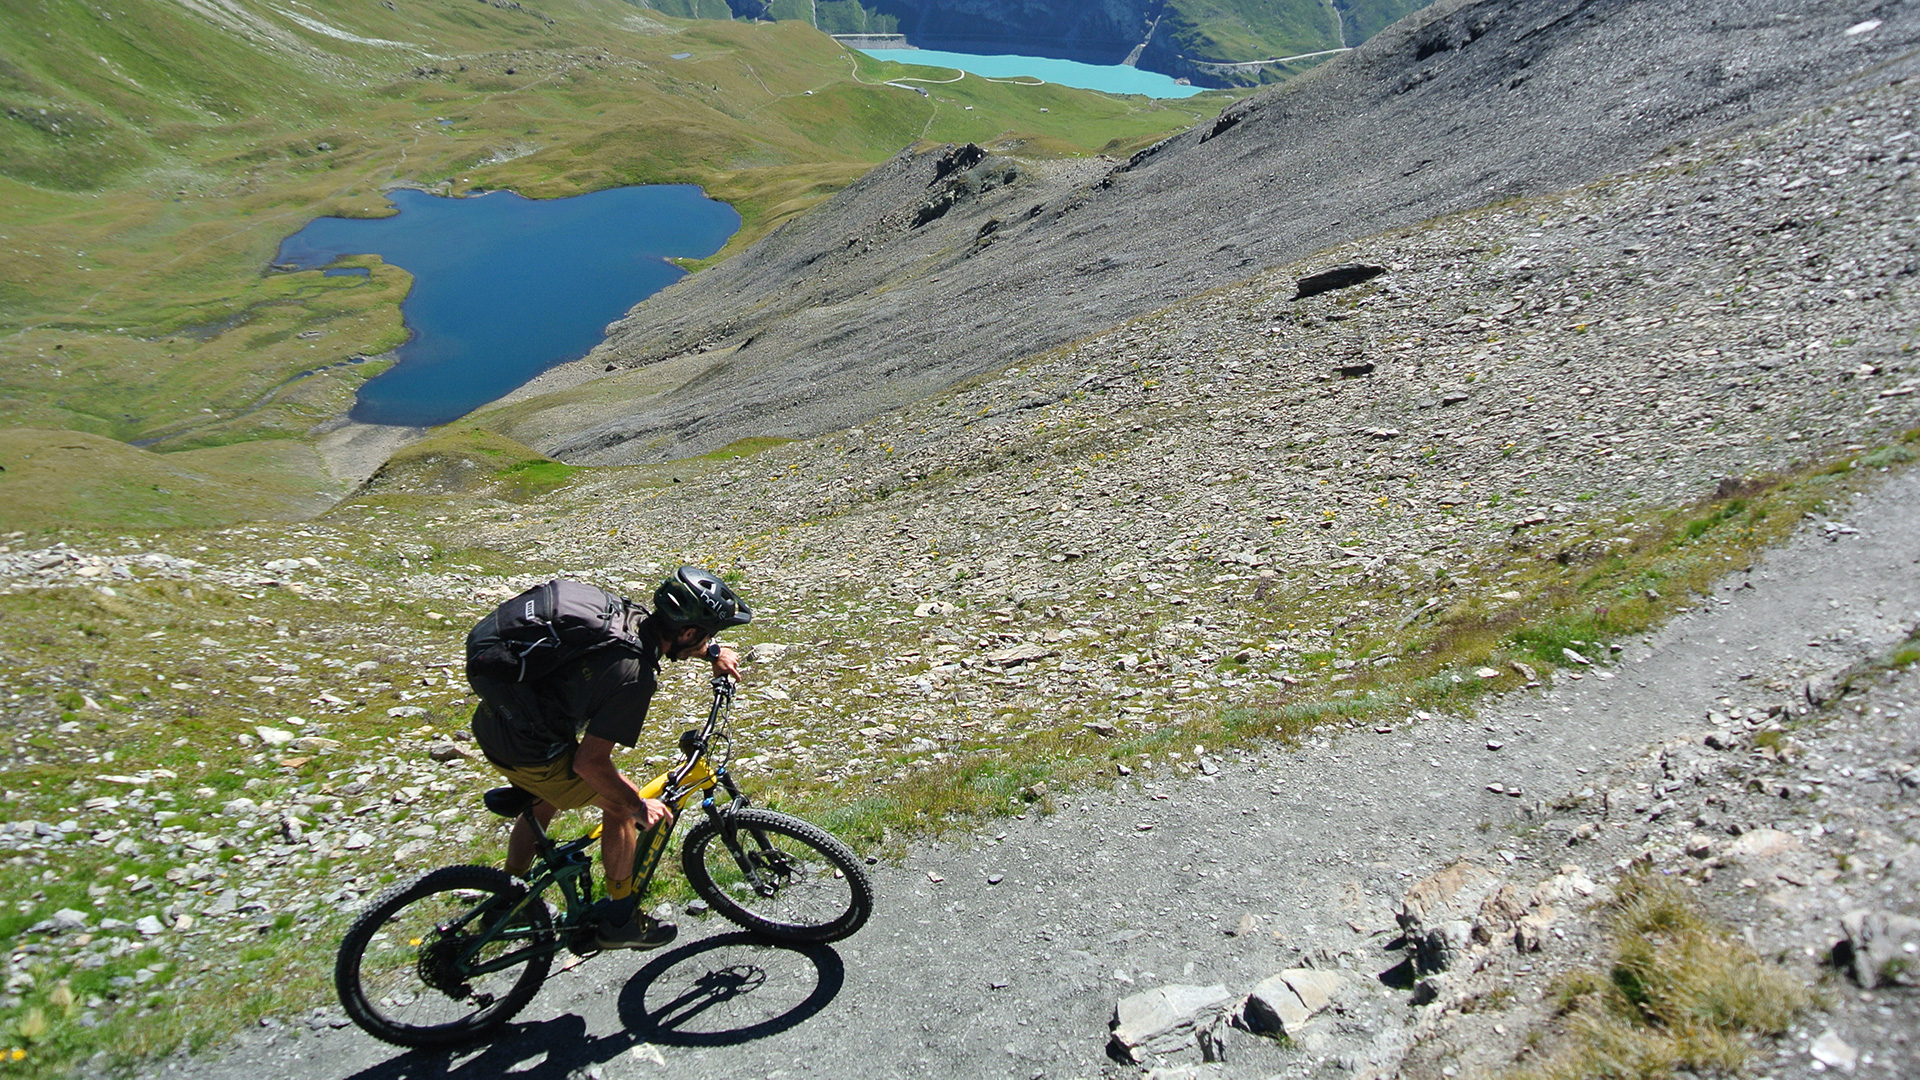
(505, 287)
(1109, 78)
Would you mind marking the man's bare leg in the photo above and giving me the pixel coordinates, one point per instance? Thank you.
(520, 845)
(618, 841)
(619, 849)
(621, 924)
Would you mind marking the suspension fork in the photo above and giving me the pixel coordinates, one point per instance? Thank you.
(750, 868)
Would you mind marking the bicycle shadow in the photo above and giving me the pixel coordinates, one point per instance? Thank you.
(748, 990)
(724, 990)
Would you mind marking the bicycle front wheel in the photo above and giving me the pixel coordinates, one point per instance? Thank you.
(408, 972)
(779, 876)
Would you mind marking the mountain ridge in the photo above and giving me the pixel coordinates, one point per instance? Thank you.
(1463, 104)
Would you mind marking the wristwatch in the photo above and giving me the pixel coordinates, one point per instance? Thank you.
(713, 650)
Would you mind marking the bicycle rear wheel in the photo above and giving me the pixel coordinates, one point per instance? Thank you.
(791, 880)
(399, 971)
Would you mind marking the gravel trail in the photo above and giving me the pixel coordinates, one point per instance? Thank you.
(1002, 953)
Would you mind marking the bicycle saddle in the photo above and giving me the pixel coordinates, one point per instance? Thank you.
(509, 801)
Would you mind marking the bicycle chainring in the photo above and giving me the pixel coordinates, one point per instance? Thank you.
(582, 942)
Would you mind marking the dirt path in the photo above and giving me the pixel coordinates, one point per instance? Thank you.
(1002, 954)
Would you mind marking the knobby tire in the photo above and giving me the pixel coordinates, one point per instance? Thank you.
(810, 903)
(386, 971)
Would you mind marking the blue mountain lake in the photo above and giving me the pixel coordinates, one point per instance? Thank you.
(1109, 78)
(505, 287)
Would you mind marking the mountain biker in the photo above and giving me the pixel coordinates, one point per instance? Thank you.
(554, 737)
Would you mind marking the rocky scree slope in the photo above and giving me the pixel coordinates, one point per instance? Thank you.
(926, 274)
(1294, 486)
(1793, 818)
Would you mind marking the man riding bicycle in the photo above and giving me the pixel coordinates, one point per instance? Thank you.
(553, 736)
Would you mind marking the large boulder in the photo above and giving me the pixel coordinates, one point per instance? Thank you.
(1435, 898)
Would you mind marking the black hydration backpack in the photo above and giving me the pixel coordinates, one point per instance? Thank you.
(534, 633)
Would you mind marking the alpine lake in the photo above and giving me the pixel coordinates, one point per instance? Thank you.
(505, 287)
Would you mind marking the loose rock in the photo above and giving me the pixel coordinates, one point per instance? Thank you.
(1164, 1020)
(1881, 948)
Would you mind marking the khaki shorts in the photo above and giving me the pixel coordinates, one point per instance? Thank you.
(554, 781)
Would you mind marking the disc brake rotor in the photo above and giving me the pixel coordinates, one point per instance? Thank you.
(775, 870)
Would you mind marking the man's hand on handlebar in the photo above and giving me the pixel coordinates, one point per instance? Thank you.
(727, 663)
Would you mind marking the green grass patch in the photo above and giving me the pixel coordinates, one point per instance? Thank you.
(159, 694)
(1887, 456)
(1584, 592)
(1680, 993)
(537, 477)
(63, 479)
(466, 458)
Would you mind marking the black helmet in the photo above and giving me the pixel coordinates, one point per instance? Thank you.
(695, 597)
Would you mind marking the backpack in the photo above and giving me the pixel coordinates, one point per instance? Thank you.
(533, 634)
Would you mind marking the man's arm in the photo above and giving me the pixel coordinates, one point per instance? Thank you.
(593, 762)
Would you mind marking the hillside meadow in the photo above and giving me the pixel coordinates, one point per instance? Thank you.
(155, 157)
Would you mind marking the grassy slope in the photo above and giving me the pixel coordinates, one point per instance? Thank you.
(1233, 30)
(1063, 128)
(1229, 30)
(1366, 18)
(51, 478)
(1240, 30)
(175, 153)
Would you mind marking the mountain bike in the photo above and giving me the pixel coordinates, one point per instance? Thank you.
(451, 955)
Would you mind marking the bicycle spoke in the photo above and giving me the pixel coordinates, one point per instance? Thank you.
(780, 876)
(415, 968)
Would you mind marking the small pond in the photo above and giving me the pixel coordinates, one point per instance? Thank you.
(506, 287)
(1110, 78)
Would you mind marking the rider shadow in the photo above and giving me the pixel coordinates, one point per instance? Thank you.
(719, 991)
(561, 1043)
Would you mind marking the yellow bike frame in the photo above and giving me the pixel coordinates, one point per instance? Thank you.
(693, 780)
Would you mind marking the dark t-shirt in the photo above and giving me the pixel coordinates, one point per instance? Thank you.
(604, 693)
